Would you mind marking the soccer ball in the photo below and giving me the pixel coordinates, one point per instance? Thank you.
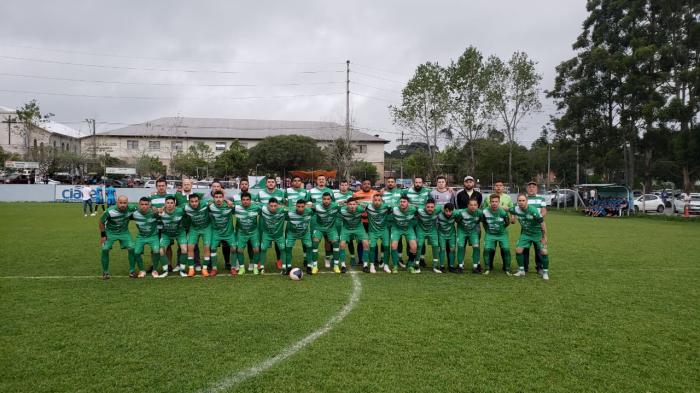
(296, 274)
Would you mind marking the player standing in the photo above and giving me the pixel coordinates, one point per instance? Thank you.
(496, 221)
(200, 227)
(390, 196)
(417, 196)
(221, 212)
(533, 231)
(426, 230)
(537, 201)
(315, 195)
(324, 226)
(468, 233)
(147, 224)
(114, 226)
(299, 228)
(172, 219)
(402, 217)
(378, 214)
(247, 233)
(351, 217)
(272, 219)
(447, 237)
(263, 197)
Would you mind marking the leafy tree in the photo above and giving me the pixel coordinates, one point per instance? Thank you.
(150, 166)
(339, 155)
(364, 170)
(286, 152)
(417, 164)
(194, 162)
(233, 161)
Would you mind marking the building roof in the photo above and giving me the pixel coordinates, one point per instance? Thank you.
(58, 128)
(7, 111)
(207, 128)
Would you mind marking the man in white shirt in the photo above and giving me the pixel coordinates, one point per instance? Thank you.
(86, 191)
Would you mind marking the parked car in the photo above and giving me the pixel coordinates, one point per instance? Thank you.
(563, 197)
(112, 182)
(202, 184)
(693, 203)
(150, 184)
(17, 178)
(649, 203)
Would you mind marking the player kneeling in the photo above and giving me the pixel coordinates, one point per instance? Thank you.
(533, 231)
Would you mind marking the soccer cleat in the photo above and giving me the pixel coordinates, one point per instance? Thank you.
(190, 272)
(394, 270)
(183, 273)
(413, 270)
(205, 272)
(417, 269)
(343, 269)
(93, 214)
(336, 269)
(175, 269)
(437, 270)
(227, 266)
(241, 269)
(442, 269)
(85, 215)
(133, 275)
(142, 274)
(386, 268)
(154, 273)
(308, 270)
(475, 270)
(105, 276)
(279, 264)
(540, 271)
(545, 276)
(372, 269)
(214, 272)
(261, 269)
(234, 272)
(508, 273)
(459, 270)
(163, 275)
(328, 263)
(520, 273)
(314, 270)
(284, 271)
(486, 272)
(403, 265)
(365, 269)
(422, 263)
(255, 270)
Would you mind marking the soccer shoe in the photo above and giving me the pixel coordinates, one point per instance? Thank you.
(105, 276)
(386, 268)
(92, 215)
(336, 269)
(183, 273)
(508, 273)
(163, 275)
(279, 264)
(545, 276)
(540, 271)
(365, 269)
(308, 269)
(314, 270)
(413, 270)
(475, 270)
(417, 269)
(85, 215)
(437, 270)
(190, 272)
(394, 270)
(486, 272)
(154, 273)
(133, 275)
(459, 270)
(227, 266)
(343, 269)
(520, 273)
(213, 272)
(372, 269)
(442, 269)
(422, 263)
(175, 268)
(284, 271)
(142, 274)
(328, 263)
(198, 267)
(403, 265)
(234, 272)
(205, 272)
(261, 269)
(256, 271)
(241, 269)
(353, 261)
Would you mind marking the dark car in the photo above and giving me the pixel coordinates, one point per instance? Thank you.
(19, 179)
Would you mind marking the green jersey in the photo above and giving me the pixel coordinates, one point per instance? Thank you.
(351, 220)
(146, 223)
(158, 201)
(427, 222)
(265, 195)
(326, 217)
(298, 224)
(339, 196)
(272, 223)
(467, 221)
(316, 194)
(172, 222)
(530, 220)
(401, 219)
(378, 217)
(496, 222)
(246, 218)
(199, 218)
(446, 225)
(417, 198)
(537, 201)
(391, 196)
(294, 194)
(506, 202)
(117, 221)
(222, 218)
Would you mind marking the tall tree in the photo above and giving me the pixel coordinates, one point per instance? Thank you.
(512, 94)
(339, 154)
(286, 152)
(424, 108)
(469, 114)
(233, 161)
(29, 115)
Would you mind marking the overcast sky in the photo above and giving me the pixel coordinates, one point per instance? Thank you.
(292, 53)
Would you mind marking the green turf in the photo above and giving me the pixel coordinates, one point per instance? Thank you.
(620, 313)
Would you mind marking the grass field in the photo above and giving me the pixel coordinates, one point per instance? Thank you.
(620, 313)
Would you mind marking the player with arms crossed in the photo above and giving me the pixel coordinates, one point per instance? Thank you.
(533, 231)
(114, 226)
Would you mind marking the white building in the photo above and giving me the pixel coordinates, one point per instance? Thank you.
(45, 133)
(167, 136)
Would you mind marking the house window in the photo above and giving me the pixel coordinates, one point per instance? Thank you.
(54, 144)
(153, 145)
(176, 146)
(63, 146)
(362, 149)
(220, 146)
(132, 145)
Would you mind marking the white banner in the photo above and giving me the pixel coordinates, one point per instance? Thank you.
(120, 171)
(22, 164)
(68, 193)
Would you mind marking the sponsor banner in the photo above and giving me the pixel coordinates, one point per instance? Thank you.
(22, 164)
(69, 193)
(120, 171)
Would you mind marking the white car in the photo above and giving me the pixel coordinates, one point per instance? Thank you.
(693, 203)
(150, 184)
(202, 184)
(649, 203)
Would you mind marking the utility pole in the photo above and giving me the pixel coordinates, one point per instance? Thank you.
(402, 150)
(347, 100)
(10, 121)
(577, 165)
(91, 126)
(549, 160)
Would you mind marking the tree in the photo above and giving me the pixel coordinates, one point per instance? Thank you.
(7, 156)
(423, 110)
(340, 154)
(150, 166)
(512, 93)
(286, 152)
(196, 161)
(29, 115)
(233, 161)
(417, 164)
(469, 114)
(364, 170)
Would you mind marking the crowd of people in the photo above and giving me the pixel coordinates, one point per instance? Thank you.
(370, 227)
(606, 207)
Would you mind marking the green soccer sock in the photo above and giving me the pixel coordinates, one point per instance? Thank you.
(155, 261)
(132, 258)
(487, 259)
(386, 254)
(520, 258)
(207, 263)
(190, 262)
(341, 255)
(475, 256)
(133, 262)
(164, 261)
(336, 252)
(460, 255)
(256, 258)
(309, 259)
(214, 261)
(372, 254)
(441, 260)
(182, 259)
(365, 255)
(314, 250)
(411, 259)
(394, 258)
(451, 258)
(104, 259)
(288, 259)
(505, 253)
(241, 259)
(545, 262)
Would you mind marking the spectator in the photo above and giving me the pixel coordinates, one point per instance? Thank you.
(87, 199)
(467, 193)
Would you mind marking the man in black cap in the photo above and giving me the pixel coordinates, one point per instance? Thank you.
(461, 200)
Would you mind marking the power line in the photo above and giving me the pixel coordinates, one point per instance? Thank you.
(373, 98)
(374, 68)
(373, 87)
(378, 77)
(165, 59)
(167, 84)
(165, 98)
(146, 68)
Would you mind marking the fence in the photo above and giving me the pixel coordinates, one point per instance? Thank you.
(58, 193)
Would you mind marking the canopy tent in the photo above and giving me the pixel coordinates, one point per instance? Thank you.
(313, 174)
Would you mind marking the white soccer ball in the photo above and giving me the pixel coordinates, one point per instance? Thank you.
(296, 274)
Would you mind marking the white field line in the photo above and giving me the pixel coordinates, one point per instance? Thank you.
(268, 363)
